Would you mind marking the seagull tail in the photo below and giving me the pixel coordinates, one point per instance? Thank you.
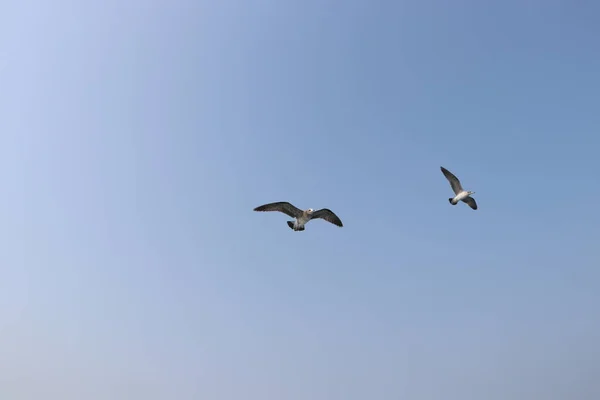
(450, 200)
(291, 225)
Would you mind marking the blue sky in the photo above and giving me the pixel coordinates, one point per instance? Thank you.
(137, 137)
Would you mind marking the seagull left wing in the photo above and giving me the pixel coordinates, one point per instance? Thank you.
(281, 206)
(328, 216)
(471, 202)
(454, 182)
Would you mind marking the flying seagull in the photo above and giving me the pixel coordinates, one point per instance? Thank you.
(461, 194)
(302, 217)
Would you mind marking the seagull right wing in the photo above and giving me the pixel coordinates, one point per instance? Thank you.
(471, 202)
(281, 206)
(328, 216)
(454, 182)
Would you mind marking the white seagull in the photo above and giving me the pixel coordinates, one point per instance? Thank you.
(302, 217)
(461, 194)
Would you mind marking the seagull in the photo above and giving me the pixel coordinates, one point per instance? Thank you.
(461, 194)
(302, 217)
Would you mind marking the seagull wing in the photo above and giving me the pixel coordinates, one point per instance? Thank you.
(328, 216)
(281, 206)
(454, 182)
(471, 202)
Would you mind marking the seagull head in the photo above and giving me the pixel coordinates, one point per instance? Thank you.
(470, 193)
(309, 211)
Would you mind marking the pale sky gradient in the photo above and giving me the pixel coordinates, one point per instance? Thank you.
(136, 138)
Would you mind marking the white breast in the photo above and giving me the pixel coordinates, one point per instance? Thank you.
(460, 196)
(303, 220)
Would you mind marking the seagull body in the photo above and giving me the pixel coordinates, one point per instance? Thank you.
(301, 217)
(460, 193)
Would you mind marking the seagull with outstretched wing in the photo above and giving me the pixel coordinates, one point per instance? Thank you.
(301, 217)
(460, 193)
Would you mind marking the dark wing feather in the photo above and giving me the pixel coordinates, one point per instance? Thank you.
(454, 182)
(471, 202)
(328, 216)
(281, 206)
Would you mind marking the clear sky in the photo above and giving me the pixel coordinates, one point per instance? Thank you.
(136, 138)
